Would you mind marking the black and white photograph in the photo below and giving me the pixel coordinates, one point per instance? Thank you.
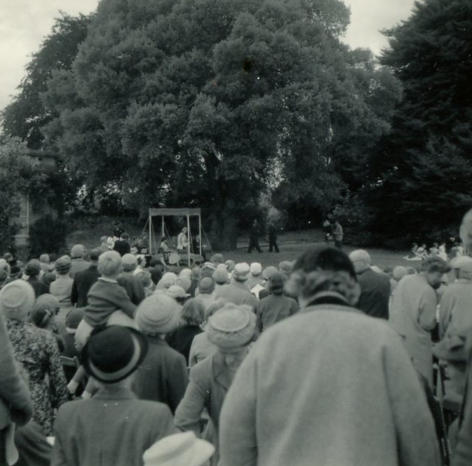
(236, 233)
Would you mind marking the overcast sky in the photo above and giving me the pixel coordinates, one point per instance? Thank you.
(23, 23)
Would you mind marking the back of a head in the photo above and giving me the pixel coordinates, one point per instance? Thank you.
(77, 251)
(44, 258)
(206, 285)
(129, 262)
(324, 269)
(276, 283)
(33, 268)
(125, 236)
(193, 312)
(109, 264)
(433, 264)
(95, 254)
(399, 272)
(360, 258)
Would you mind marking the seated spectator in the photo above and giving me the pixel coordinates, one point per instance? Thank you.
(206, 289)
(192, 317)
(44, 314)
(162, 375)
(112, 427)
(122, 245)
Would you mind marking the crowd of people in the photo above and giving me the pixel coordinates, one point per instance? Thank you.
(328, 360)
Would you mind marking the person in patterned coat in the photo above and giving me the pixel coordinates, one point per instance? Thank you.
(37, 351)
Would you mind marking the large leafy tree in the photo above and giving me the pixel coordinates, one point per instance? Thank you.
(424, 167)
(25, 116)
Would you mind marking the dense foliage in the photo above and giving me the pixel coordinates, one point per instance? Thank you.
(217, 104)
(424, 165)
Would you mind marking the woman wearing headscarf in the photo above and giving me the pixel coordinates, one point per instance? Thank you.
(231, 329)
(36, 349)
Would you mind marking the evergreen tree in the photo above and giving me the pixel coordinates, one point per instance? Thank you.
(423, 167)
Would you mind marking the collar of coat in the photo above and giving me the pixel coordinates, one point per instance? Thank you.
(222, 374)
(328, 297)
(114, 392)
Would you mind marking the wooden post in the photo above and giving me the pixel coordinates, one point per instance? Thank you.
(200, 231)
(188, 240)
(150, 234)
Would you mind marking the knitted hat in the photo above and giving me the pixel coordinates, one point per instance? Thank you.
(183, 449)
(113, 353)
(33, 268)
(17, 300)
(63, 265)
(77, 251)
(276, 283)
(177, 292)
(269, 271)
(221, 276)
(231, 327)
(167, 280)
(256, 269)
(44, 258)
(45, 307)
(241, 272)
(185, 273)
(129, 262)
(206, 285)
(158, 314)
(217, 259)
(73, 319)
(184, 282)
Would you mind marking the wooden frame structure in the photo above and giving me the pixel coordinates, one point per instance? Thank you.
(183, 212)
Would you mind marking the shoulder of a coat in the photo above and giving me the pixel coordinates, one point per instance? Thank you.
(201, 371)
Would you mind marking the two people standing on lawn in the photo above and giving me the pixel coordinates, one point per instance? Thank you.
(255, 233)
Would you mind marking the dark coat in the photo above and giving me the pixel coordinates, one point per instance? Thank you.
(162, 376)
(83, 281)
(122, 247)
(133, 287)
(38, 286)
(181, 340)
(111, 429)
(273, 309)
(375, 293)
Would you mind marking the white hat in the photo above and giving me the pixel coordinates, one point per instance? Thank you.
(256, 269)
(17, 300)
(241, 271)
(183, 449)
(176, 292)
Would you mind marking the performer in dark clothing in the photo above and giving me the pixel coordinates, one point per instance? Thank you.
(272, 230)
(254, 238)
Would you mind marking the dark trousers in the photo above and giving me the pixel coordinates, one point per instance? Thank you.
(273, 243)
(254, 244)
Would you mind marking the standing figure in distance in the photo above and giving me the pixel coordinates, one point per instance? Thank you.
(254, 237)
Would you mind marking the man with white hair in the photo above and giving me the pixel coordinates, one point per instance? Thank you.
(375, 287)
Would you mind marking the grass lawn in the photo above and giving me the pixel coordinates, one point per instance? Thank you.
(291, 245)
